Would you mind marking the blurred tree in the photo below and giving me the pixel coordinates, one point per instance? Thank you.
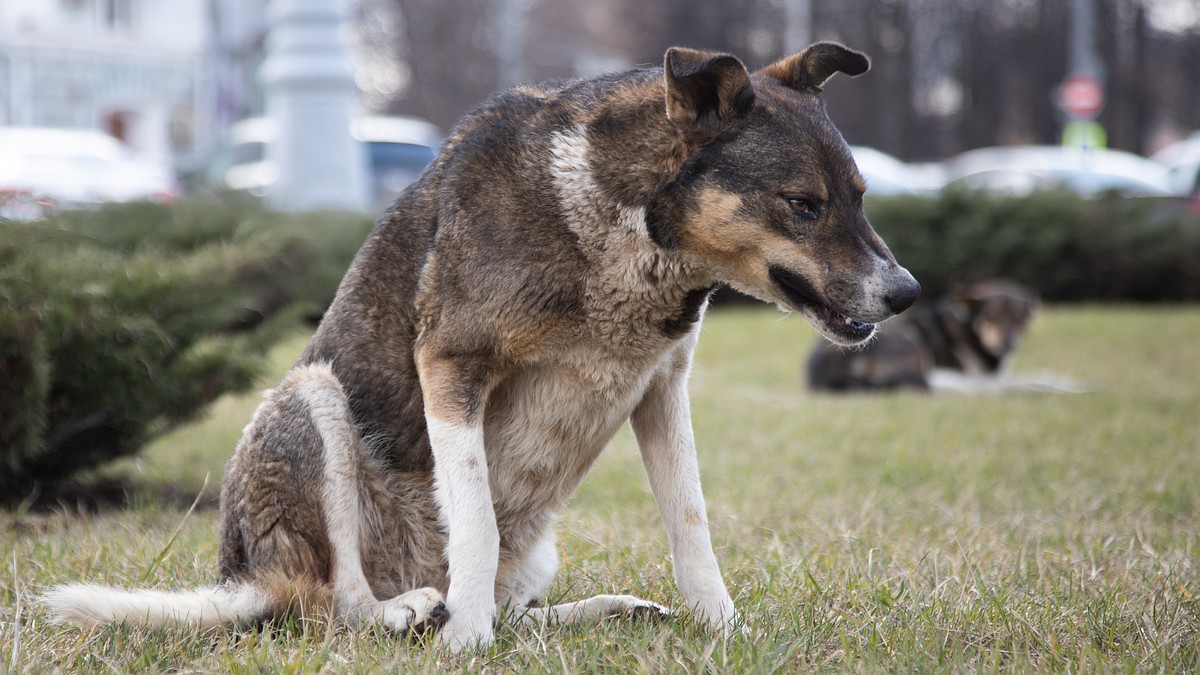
(983, 72)
(949, 75)
(450, 48)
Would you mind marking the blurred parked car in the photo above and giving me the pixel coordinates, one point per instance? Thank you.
(398, 149)
(888, 175)
(44, 168)
(1182, 160)
(1025, 169)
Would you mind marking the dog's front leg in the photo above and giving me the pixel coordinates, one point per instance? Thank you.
(453, 414)
(663, 425)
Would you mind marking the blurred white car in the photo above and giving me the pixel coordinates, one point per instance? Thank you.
(1022, 170)
(398, 149)
(1182, 160)
(44, 168)
(888, 175)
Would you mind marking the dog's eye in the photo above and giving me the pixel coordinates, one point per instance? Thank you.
(803, 207)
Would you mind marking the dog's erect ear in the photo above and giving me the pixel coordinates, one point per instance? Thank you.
(811, 67)
(705, 90)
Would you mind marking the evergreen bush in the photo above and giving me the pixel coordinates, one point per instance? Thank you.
(1068, 248)
(119, 324)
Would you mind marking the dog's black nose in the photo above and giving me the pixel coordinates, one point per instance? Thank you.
(903, 295)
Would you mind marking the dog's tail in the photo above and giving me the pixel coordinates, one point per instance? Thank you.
(227, 604)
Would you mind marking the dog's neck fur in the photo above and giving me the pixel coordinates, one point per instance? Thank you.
(632, 270)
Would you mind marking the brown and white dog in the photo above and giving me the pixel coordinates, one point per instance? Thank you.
(539, 285)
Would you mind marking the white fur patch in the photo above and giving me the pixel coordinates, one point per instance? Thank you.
(572, 173)
(473, 543)
(88, 605)
(588, 213)
(593, 608)
(531, 576)
(632, 220)
(341, 490)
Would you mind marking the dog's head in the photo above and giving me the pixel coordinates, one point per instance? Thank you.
(996, 312)
(769, 194)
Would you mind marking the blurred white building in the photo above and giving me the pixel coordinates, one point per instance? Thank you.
(166, 76)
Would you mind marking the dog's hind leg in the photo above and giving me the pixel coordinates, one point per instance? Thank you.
(594, 608)
(520, 589)
(350, 514)
(520, 582)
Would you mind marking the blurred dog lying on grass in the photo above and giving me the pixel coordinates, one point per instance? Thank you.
(963, 341)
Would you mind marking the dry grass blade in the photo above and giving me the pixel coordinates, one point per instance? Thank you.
(162, 554)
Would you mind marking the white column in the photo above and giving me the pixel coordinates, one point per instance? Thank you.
(150, 133)
(311, 96)
(21, 88)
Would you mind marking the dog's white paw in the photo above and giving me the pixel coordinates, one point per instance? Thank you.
(723, 618)
(736, 626)
(463, 632)
(636, 608)
(415, 611)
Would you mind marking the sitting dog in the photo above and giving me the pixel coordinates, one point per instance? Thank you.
(541, 283)
(963, 341)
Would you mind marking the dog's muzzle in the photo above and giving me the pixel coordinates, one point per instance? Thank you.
(801, 296)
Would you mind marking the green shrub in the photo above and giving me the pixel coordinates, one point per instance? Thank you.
(1067, 247)
(119, 324)
(300, 257)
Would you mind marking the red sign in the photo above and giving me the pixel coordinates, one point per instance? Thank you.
(1081, 96)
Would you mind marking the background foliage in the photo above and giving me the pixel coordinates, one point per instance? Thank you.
(120, 324)
(1066, 247)
(946, 75)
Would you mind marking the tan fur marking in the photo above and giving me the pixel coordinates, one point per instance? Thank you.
(720, 233)
(297, 596)
(859, 184)
(786, 69)
(992, 336)
(716, 232)
(454, 388)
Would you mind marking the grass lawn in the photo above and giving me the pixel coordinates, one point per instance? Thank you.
(904, 532)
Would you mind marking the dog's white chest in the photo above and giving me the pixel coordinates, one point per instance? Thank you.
(545, 426)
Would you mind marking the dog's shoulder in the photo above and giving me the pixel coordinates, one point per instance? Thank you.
(542, 204)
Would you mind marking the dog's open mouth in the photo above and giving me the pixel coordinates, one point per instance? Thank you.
(832, 324)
